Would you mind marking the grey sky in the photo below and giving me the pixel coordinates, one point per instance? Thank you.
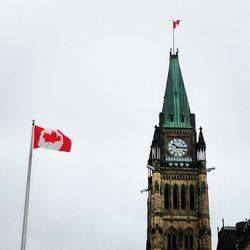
(97, 70)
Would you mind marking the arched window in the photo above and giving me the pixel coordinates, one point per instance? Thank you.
(191, 197)
(169, 240)
(166, 196)
(172, 240)
(175, 197)
(183, 197)
(188, 240)
(191, 241)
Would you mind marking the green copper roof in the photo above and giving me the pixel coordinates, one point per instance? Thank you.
(176, 111)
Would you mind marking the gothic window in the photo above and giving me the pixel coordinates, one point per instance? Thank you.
(183, 198)
(175, 197)
(188, 241)
(166, 196)
(172, 241)
(191, 241)
(169, 240)
(191, 197)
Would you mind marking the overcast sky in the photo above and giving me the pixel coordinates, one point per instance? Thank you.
(97, 71)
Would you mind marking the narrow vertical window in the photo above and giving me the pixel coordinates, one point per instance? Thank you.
(182, 118)
(153, 154)
(169, 241)
(171, 116)
(191, 243)
(191, 197)
(186, 241)
(175, 197)
(174, 241)
(183, 198)
(166, 196)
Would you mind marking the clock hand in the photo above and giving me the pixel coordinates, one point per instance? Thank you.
(179, 147)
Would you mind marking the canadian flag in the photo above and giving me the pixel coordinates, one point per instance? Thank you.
(176, 23)
(51, 139)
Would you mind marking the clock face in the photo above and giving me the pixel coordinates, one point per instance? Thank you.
(177, 147)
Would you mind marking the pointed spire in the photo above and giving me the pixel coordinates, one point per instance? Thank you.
(201, 147)
(201, 142)
(155, 153)
(156, 139)
(175, 111)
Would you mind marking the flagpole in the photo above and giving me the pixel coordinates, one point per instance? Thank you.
(26, 206)
(173, 37)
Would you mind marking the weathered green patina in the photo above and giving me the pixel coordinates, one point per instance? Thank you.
(176, 111)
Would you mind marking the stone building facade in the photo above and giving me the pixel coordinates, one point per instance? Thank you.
(178, 207)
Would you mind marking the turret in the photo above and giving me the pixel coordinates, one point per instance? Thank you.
(155, 153)
(201, 147)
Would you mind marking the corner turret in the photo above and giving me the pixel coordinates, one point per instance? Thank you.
(201, 147)
(155, 152)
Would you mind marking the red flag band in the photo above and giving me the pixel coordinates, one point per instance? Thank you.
(176, 23)
(51, 139)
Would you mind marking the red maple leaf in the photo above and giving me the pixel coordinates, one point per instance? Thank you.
(53, 137)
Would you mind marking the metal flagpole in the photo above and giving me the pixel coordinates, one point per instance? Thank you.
(173, 37)
(26, 206)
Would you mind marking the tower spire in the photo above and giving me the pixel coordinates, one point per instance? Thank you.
(175, 111)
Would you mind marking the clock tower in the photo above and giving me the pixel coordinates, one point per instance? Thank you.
(178, 209)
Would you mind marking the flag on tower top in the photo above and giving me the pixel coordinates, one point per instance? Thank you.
(51, 139)
(176, 23)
